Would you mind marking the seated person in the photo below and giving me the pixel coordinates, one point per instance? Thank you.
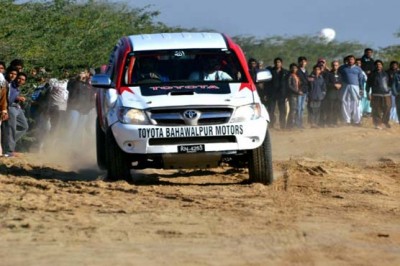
(210, 70)
(147, 69)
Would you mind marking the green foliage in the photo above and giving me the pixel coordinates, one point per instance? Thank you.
(63, 33)
(390, 53)
(289, 49)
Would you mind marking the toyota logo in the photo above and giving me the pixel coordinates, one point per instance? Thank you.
(190, 114)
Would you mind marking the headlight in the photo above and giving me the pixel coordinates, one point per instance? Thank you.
(132, 116)
(246, 113)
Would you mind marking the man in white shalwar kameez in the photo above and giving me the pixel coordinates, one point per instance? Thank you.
(353, 80)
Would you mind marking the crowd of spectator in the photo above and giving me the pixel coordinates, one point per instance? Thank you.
(341, 93)
(44, 107)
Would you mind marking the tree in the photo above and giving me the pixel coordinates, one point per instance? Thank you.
(60, 33)
(392, 52)
(64, 32)
(290, 48)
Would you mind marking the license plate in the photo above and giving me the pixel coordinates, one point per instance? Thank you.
(191, 148)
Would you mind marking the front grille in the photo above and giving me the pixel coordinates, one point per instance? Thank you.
(176, 117)
(197, 140)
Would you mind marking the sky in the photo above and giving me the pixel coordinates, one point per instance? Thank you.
(370, 22)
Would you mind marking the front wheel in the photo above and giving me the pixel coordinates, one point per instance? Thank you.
(116, 159)
(100, 146)
(260, 163)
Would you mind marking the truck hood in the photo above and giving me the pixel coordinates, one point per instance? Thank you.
(144, 97)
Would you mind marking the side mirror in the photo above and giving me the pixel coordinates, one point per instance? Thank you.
(263, 75)
(102, 81)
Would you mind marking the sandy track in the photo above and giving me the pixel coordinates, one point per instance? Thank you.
(336, 202)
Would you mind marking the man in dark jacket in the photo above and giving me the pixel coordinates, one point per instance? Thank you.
(277, 92)
(380, 97)
(392, 72)
(367, 62)
(325, 73)
(332, 99)
(253, 68)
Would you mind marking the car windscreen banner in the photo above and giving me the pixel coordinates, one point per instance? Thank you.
(154, 90)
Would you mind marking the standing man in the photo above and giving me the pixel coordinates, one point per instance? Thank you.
(304, 88)
(16, 126)
(353, 79)
(332, 99)
(254, 67)
(380, 97)
(367, 62)
(392, 71)
(396, 92)
(365, 105)
(277, 93)
(323, 121)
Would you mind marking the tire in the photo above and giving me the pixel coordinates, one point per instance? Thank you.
(260, 163)
(100, 146)
(116, 160)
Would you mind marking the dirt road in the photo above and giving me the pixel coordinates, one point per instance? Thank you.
(336, 201)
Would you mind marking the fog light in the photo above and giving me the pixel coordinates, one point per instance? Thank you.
(129, 145)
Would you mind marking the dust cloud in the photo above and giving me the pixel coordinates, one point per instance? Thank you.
(72, 150)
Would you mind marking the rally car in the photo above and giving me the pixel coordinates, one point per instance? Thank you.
(181, 100)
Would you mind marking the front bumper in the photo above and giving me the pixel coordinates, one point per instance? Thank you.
(149, 139)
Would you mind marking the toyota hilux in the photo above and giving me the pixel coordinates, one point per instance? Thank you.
(181, 101)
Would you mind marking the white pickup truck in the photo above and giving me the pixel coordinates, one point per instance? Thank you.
(181, 100)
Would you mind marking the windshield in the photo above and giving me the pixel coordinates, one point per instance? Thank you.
(184, 67)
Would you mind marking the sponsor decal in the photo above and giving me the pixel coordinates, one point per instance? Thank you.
(152, 90)
(185, 132)
(249, 86)
(127, 89)
(186, 87)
